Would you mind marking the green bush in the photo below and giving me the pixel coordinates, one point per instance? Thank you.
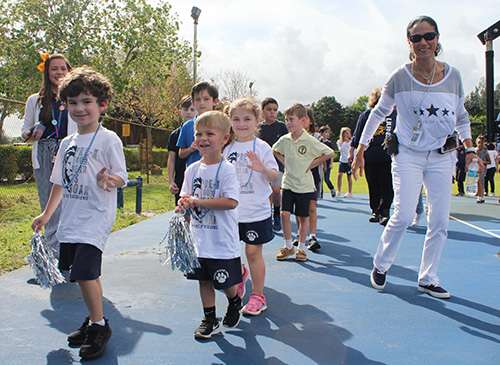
(16, 161)
(8, 163)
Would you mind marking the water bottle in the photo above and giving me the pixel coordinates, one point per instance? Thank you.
(472, 177)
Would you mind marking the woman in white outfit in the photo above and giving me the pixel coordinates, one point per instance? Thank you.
(430, 101)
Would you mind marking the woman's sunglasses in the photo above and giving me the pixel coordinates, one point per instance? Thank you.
(415, 38)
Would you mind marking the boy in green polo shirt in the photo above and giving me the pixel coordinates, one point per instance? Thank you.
(299, 152)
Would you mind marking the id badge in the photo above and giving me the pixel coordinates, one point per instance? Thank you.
(416, 134)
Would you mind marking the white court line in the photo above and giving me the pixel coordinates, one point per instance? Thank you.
(476, 227)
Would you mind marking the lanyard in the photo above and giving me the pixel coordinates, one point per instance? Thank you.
(251, 171)
(56, 123)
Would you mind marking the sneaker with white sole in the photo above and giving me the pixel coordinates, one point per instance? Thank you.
(347, 195)
(96, 340)
(206, 329)
(434, 290)
(377, 279)
(255, 306)
(233, 314)
(300, 255)
(241, 286)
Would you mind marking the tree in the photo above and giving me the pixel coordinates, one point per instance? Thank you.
(329, 112)
(233, 84)
(133, 43)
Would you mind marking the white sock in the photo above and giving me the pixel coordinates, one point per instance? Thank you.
(312, 235)
(288, 244)
(100, 323)
(302, 246)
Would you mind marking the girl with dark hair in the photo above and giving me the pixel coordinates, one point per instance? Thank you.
(46, 123)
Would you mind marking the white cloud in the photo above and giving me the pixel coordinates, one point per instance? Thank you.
(302, 51)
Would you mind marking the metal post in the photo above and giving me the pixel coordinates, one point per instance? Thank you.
(195, 14)
(490, 85)
(119, 201)
(138, 196)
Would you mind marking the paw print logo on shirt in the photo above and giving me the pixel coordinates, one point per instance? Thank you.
(221, 276)
(302, 149)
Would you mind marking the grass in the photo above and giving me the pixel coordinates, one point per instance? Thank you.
(19, 205)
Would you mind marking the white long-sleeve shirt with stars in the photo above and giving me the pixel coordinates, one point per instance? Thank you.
(439, 108)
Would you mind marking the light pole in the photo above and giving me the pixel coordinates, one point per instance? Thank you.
(195, 14)
(250, 87)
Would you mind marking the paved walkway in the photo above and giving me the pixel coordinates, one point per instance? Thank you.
(321, 311)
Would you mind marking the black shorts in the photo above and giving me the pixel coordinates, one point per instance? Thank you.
(257, 233)
(300, 201)
(345, 167)
(82, 260)
(222, 273)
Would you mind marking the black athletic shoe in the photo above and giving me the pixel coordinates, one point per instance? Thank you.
(434, 290)
(313, 244)
(206, 329)
(378, 279)
(78, 337)
(232, 317)
(375, 218)
(295, 242)
(96, 340)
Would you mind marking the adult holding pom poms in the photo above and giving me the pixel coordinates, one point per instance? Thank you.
(46, 123)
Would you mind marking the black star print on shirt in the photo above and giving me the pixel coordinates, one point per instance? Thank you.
(445, 111)
(432, 110)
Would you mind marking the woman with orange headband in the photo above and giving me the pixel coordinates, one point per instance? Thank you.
(46, 123)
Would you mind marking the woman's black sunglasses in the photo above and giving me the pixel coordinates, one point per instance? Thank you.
(415, 38)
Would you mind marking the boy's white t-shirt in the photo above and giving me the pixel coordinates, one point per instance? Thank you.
(254, 193)
(88, 211)
(344, 150)
(215, 232)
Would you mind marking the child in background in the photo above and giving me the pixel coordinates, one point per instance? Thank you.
(313, 244)
(325, 133)
(343, 144)
(255, 167)
(89, 165)
(270, 130)
(211, 191)
(299, 153)
(491, 168)
(204, 97)
(485, 157)
(176, 165)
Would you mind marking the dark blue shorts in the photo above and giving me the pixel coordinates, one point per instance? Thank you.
(82, 260)
(257, 233)
(299, 201)
(345, 167)
(222, 273)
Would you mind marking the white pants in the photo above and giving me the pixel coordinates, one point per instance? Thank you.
(409, 170)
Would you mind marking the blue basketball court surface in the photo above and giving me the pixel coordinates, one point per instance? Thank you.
(322, 311)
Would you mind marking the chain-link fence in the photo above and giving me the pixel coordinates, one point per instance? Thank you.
(15, 154)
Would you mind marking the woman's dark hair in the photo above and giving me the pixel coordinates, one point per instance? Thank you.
(432, 22)
(312, 118)
(45, 93)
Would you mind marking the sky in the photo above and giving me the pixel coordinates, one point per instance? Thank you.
(301, 51)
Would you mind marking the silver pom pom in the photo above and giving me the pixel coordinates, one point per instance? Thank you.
(44, 263)
(179, 249)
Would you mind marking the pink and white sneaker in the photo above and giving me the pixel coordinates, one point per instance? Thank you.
(255, 306)
(241, 286)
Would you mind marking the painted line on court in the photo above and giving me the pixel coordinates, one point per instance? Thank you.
(476, 227)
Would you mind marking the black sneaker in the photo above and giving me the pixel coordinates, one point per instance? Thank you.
(375, 218)
(206, 329)
(232, 317)
(434, 290)
(295, 242)
(334, 193)
(313, 244)
(95, 342)
(378, 279)
(78, 337)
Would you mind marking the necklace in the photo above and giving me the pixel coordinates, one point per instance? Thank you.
(429, 78)
(216, 183)
(251, 171)
(65, 160)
